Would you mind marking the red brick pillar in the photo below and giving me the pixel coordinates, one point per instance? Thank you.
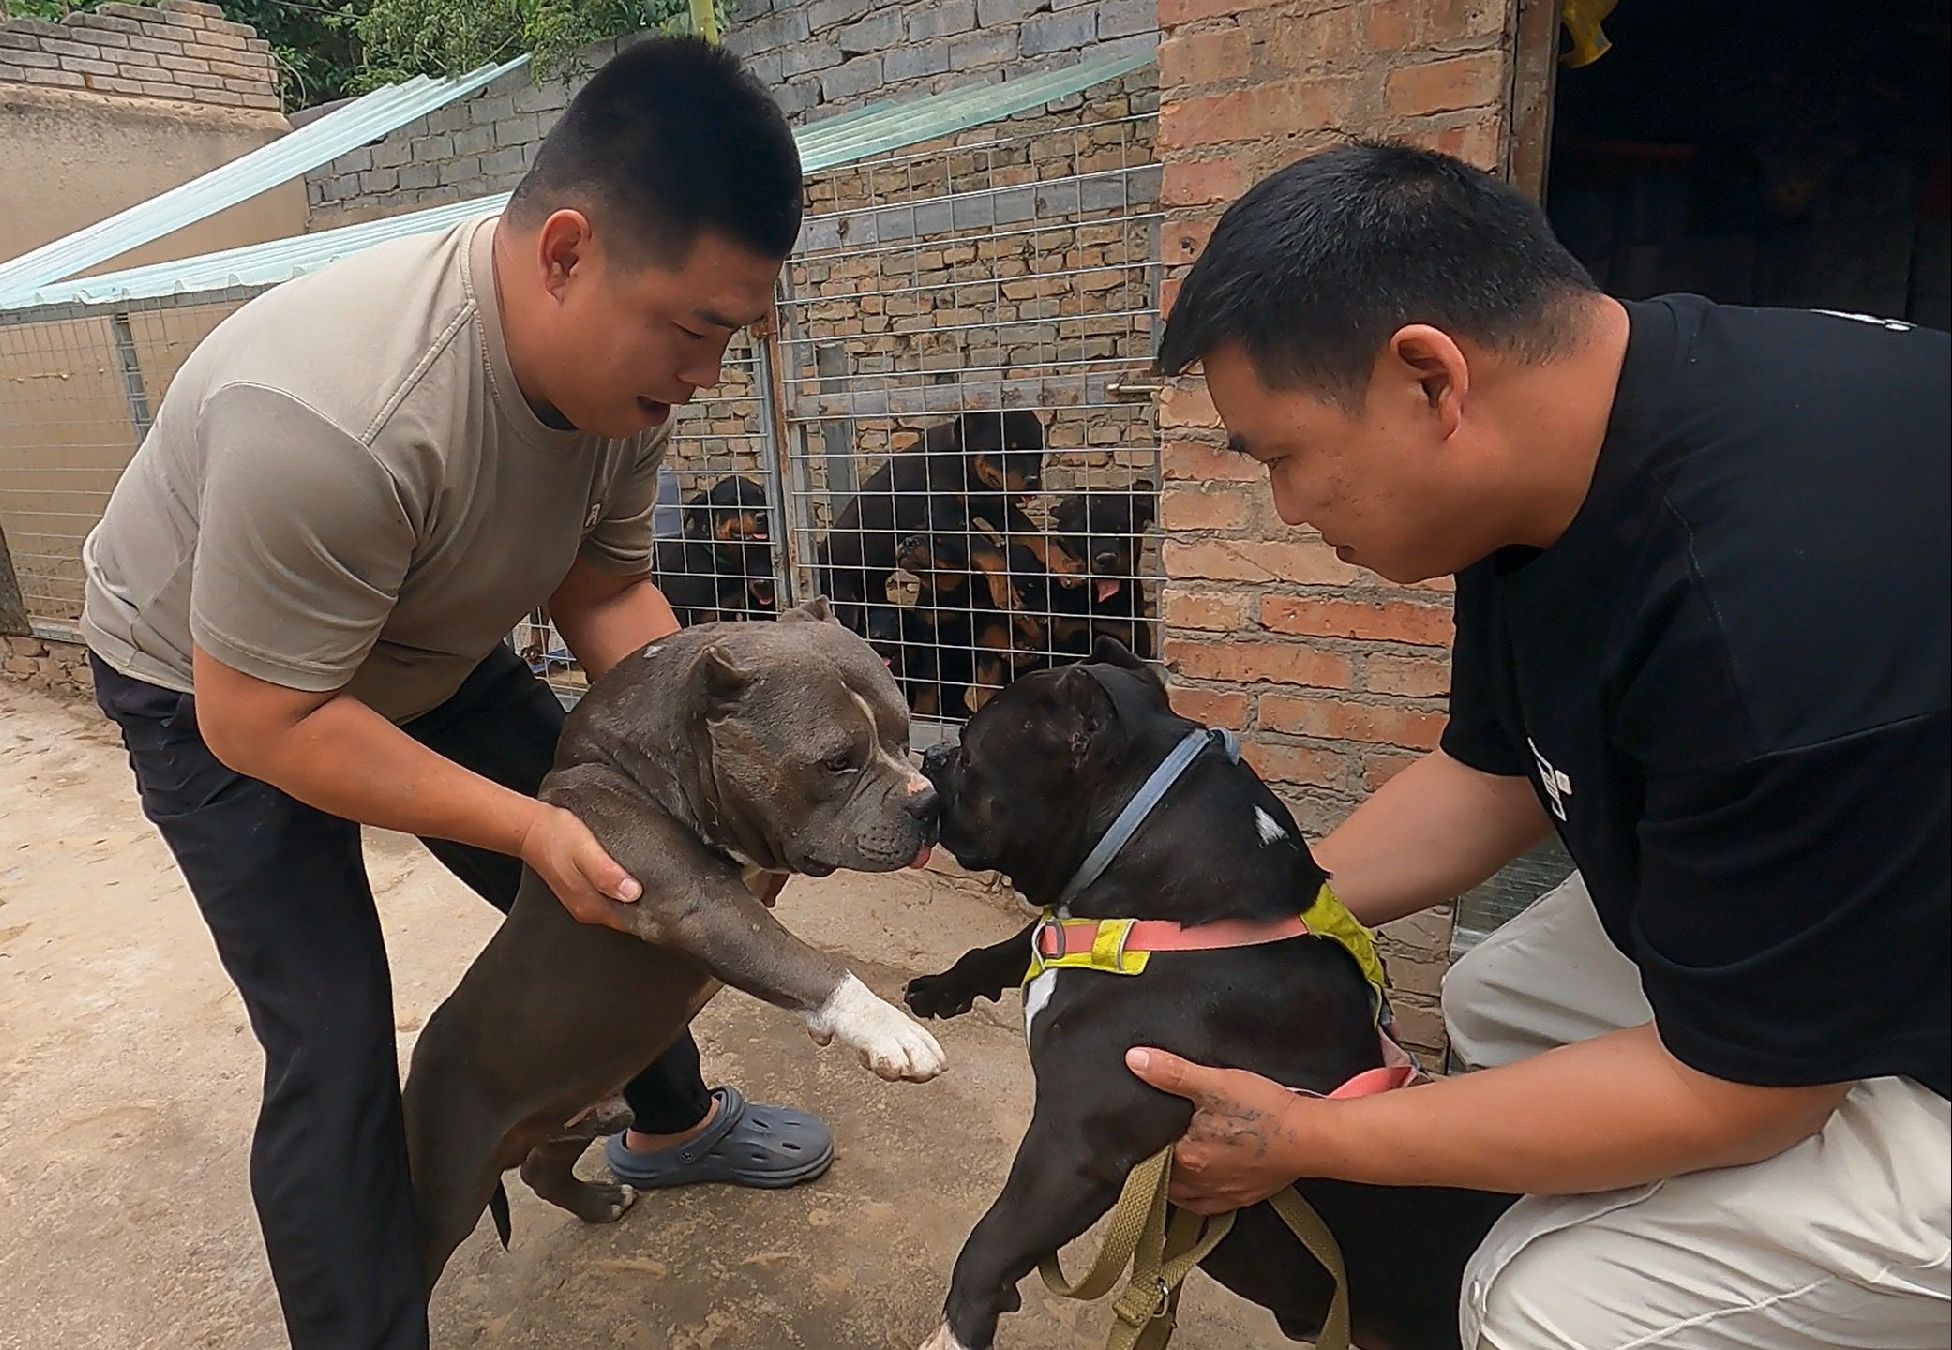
(1337, 677)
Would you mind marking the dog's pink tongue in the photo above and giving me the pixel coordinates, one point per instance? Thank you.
(922, 858)
(1106, 589)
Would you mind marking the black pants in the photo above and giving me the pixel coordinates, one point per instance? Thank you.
(283, 888)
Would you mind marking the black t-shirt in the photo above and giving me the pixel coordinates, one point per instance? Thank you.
(1729, 683)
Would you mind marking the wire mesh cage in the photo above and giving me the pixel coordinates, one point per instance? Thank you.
(78, 390)
(971, 437)
(947, 425)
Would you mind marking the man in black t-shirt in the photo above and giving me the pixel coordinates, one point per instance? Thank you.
(1703, 585)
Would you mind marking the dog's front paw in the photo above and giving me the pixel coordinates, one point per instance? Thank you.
(943, 1339)
(947, 994)
(888, 1043)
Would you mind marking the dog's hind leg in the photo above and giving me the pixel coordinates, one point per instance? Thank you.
(456, 1155)
(550, 1171)
(550, 1168)
(1058, 1187)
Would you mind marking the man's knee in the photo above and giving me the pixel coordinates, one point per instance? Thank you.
(1483, 1003)
(1536, 1285)
(1516, 1308)
(326, 1029)
(1549, 977)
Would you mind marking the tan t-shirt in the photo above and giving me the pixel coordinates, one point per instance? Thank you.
(345, 489)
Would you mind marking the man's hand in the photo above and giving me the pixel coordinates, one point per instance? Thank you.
(568, 858)
(1238, 1149)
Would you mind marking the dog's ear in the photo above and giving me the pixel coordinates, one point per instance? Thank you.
(1084, 709)
(1110, 651)
(696, 515)
(722, 678)
(1067, 517)
(816, 610)
(1145, 504)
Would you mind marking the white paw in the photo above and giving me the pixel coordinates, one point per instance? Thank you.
(881, 1034)
(943, 1339)
(629, 1197)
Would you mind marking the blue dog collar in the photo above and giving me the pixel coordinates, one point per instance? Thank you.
(1149, 795)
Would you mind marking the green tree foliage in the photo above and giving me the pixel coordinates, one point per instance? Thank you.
(328, 49)
(408, 37)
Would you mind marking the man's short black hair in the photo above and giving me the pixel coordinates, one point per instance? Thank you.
(672, 138)
(1318, 264)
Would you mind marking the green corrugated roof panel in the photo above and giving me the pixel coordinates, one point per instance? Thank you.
(837, 141)
(364, 119)
(865, 133)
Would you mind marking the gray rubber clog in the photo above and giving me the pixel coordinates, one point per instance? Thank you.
(747, 1144)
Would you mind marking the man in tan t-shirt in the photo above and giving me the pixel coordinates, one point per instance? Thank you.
(297, 596)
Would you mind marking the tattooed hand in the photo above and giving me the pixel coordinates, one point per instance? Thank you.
(1242, 1143)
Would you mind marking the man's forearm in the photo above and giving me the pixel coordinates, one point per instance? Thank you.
(1607, 1113)
(602, 630)
(1431, 833)
(349, 761)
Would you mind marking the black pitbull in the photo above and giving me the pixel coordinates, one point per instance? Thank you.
(710, 765)
(1038, 777)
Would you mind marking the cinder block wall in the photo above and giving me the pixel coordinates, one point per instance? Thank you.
(180, 50)
(818, 59)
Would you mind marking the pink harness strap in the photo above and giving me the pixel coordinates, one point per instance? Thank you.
(1397, 1070)
(1162, 935)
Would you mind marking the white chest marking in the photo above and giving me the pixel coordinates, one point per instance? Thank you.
(1268, 827)
(1035, 995)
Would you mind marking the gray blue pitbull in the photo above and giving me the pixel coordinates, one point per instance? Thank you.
(711, 765)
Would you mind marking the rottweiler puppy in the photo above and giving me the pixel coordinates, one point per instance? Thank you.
(987, 462)
(688, 572)
(976, 623)
(731, 517)
(1104, 530)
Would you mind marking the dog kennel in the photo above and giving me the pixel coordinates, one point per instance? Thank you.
(987, 254)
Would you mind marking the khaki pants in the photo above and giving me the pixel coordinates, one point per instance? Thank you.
(1840, 1241)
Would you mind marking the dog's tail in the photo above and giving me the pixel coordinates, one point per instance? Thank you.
(498, 1207)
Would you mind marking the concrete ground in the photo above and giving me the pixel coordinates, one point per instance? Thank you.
(129, 1081)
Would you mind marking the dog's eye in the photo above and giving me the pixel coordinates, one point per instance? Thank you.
(842, 763)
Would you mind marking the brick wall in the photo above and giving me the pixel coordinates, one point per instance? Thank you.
(1337, 678)
(52, 664)
(180, 50)
(820, 58)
